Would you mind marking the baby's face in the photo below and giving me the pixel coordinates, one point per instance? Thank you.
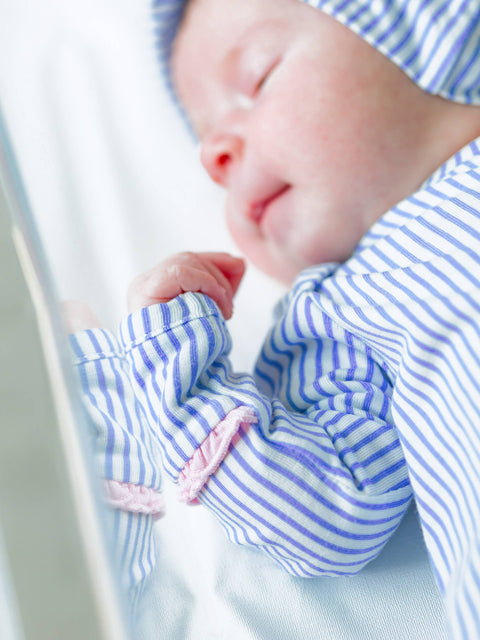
(284, 101)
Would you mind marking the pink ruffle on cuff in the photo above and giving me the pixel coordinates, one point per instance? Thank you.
(207, 458)
(135, 498)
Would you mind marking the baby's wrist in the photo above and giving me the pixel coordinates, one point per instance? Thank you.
(136, 302)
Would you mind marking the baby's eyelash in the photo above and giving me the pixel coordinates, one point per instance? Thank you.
(264, 77)
(261, 82)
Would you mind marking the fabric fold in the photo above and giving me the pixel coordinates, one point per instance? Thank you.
(135, 498)
(208, 457)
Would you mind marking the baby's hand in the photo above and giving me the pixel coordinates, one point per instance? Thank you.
(217, 275)
(78, 316)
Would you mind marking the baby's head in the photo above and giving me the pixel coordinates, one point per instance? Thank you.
(313, 133)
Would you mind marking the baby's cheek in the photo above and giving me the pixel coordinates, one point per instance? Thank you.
(240, 229)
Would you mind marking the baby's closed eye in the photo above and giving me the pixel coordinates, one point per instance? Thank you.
(264, 75)
(255, 57)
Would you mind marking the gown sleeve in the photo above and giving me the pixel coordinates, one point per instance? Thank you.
(300, 459)
(125, 455)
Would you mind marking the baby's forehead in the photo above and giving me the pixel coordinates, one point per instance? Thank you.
(212, 28)
(170, 15)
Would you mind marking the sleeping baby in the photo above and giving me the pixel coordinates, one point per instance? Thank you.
(344, 134)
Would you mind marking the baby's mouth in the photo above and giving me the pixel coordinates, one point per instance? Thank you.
(257, 210)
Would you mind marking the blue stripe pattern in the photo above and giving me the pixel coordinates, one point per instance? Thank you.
(411, 292)
(124, 449)
(389, 337)
(320, 482)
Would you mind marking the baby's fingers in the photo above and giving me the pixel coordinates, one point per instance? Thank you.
(232, 269)
(164, 284)
(189, 278)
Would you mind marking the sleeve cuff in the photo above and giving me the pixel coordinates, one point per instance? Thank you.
(93, 344)
(208, 457)
(159, 318)
(128, 496)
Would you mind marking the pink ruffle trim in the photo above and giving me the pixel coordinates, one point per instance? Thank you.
(134, 497)
(207, 458)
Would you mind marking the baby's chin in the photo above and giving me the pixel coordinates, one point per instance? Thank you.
(281, 268)
(285, 273)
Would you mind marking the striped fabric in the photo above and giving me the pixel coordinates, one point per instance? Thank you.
(392, 335)
(126, 453)
(411, 292)
(436, 42)
(127, 449)
(319, 482)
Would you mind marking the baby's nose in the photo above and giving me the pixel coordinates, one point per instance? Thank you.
(220, 155)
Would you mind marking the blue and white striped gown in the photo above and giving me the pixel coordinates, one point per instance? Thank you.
(386, 344)
(319, 482)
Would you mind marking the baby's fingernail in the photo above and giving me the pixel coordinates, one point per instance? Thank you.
(239, 263)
